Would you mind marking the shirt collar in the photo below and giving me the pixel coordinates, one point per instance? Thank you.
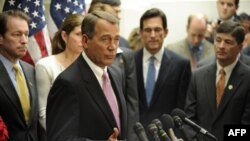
(7, 63)
(228, 69)
(158, 55)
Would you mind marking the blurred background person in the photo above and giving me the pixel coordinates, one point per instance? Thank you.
(194, 47)
(134, 40)
(115, 10)
(18, 93)
(66, 47)
(227, 10)
(245, 22)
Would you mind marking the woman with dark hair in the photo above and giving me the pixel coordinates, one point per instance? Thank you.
(66, 47)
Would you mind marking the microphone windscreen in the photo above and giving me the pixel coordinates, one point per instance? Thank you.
(138, 127)
(167, 121)
(179, 112)
(152, 129)
(158, 123)
(177, 121)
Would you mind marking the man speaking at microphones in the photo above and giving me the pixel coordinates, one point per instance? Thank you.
(219, 93)
(86, 101)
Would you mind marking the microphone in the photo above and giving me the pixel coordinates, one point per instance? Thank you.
(168, 124)
(196, 127)
(179, 124)
(153, 130)
(161, 132)
(140, 132)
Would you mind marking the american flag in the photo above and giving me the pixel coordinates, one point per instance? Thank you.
(59, 9)
(39, 42)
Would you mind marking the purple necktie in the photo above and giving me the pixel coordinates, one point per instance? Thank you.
(110, 96)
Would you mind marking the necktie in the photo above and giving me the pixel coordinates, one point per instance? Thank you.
(220, 87)
(150, 83)
(110, 96)
(23, 92)
(194, 58)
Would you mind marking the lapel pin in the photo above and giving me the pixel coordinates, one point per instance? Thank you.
(121, 61)
(30, 84)
(230, 87)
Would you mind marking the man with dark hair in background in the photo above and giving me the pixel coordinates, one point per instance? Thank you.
(162, 75)
(227, 10)
(226, 90)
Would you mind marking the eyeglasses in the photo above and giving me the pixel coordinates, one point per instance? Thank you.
(156, 30)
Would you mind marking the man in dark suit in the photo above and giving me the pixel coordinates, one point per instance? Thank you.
(224, 98)
(18, 99)
(172, 71)
(125, 60)
(79, 106)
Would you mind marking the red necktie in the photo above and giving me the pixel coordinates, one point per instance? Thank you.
(110, 96)
(220, 87)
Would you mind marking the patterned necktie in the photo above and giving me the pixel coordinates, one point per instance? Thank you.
(220, 87)
(110, 96)
(150, 83)
(23, 92)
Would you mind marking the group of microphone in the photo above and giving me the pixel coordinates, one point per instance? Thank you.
(163, 129)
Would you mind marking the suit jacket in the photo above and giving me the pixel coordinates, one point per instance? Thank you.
(182, 48)
(11, 109)
(125, 60)
(235, 104)
(170, 88)
(77, 108)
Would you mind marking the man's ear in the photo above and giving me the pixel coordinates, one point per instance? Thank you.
(85, 40)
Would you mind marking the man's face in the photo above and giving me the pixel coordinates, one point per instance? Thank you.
(101, 49)
(226, 9)
(153, 34)
(14, 42)
(196, 32)
(226, 48)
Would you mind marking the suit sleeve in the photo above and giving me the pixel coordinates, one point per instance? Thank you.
(184, 82)
(191, 100)
(43, 80)
(63, 113)
(131, 95)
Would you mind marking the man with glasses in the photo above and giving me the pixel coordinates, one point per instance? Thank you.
(162, 75)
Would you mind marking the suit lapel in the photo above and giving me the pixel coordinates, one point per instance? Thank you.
(210, 90)
(162, 76)
(96, 91)
(140, 79)
(116, 84)
(29, 76)
(9, 89)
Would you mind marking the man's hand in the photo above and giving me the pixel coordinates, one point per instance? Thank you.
(114, 136)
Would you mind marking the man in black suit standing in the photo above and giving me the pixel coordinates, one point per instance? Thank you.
(162, 75)
(224, 97)
(18, 97)
(86, 101)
